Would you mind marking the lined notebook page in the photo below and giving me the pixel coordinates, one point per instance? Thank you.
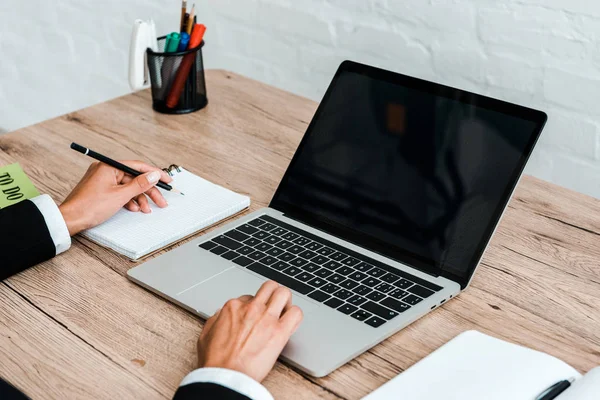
(135, 234)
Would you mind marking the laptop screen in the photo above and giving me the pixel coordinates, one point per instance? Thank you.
(413, 170)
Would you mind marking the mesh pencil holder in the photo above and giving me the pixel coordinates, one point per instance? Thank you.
(177, 79)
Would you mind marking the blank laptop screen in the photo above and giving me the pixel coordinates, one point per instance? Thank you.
(414, 174)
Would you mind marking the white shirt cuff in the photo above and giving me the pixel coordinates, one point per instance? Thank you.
(233, 380)
(54, 221)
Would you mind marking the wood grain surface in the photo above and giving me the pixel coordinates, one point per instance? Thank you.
(75, 327)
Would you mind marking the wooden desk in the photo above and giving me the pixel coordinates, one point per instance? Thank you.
(75, 327)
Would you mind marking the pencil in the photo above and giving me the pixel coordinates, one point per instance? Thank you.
(183, 11)
(191, 20)
(119, 166)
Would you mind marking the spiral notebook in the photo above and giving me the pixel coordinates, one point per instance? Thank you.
(136, 235)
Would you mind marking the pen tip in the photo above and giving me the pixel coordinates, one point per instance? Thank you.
(181, 193)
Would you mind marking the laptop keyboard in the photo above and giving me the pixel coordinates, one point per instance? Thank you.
(350, 283)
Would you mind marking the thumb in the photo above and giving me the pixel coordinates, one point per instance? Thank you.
(140, 184)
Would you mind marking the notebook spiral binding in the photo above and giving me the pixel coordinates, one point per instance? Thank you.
(171, 169)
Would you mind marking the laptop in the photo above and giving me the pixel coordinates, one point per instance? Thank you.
(383, 214)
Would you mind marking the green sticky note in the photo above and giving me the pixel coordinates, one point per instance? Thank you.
(15, 186)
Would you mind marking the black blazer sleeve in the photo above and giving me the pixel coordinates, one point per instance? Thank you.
(208, 391)
(24, 238)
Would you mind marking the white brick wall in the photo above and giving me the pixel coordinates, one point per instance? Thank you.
(542, 53)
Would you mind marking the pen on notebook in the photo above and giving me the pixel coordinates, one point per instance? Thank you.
(119, 166)
(555, 390)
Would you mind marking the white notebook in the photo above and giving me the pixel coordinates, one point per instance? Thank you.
(135, 234)
(474, 366)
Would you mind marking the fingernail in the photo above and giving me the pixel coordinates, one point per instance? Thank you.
(153, 177)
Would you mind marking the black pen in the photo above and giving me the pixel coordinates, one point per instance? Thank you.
(119, 166)
(555, 390)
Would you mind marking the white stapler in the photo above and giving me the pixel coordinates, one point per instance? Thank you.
(143, 37)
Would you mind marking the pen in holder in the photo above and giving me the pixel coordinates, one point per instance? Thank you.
(174, 89)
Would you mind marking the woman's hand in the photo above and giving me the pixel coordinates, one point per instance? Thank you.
(103, 190)
(249, 333)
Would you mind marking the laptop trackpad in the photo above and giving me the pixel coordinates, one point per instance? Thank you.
(207, 297)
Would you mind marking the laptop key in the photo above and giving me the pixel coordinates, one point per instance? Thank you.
(252, 241)
(207, 245)
(296, 249)
(286, 257)
(325, 251)
(332, 265)
(298, 262)
(304, 276)
(257, 255)
(243, 261)
(376, 272)
(397, 293)
(275, 252)
(330, 288)
(420, 291)
(278, 231)
(323, 272)
(395, 304)
(292, 271)
(336, 278)
(334, 303)
(280, 265)
(375, 322)
(349, 284)
(218, 250)
(357, 276)
(319, 296)
(268, 227)
(384, 287)
(320, 260)
(317, 282)
(410, 299)
(378, 310)
(362, 290)
(230, 255)
(360, 315)
(280, 278)
(227, 242)
(290, 236)
(248, 229)
(356, 300)
(347, 309)
(273, 240)
(268, 260)
(314, 246)
(390, 278)
(302, 241)
(246, 250)
(310, 267)
(351, 261)
(237, 235)
(363, 267)
(284, 244)
(256, 222)
(307, 254)
(343, 294)
(262, 235)
(344, 270)
(375, 296)
(403, 284)
(371, 282)
(263, 246)
(337, 256)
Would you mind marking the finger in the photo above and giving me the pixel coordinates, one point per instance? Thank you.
(143, 168)
(142, 201)
(157, 197)
(290, 321)
(246, 298)
(139, 185)
(132, 206)
(266, 291)
(210, 323)
(280, 299)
